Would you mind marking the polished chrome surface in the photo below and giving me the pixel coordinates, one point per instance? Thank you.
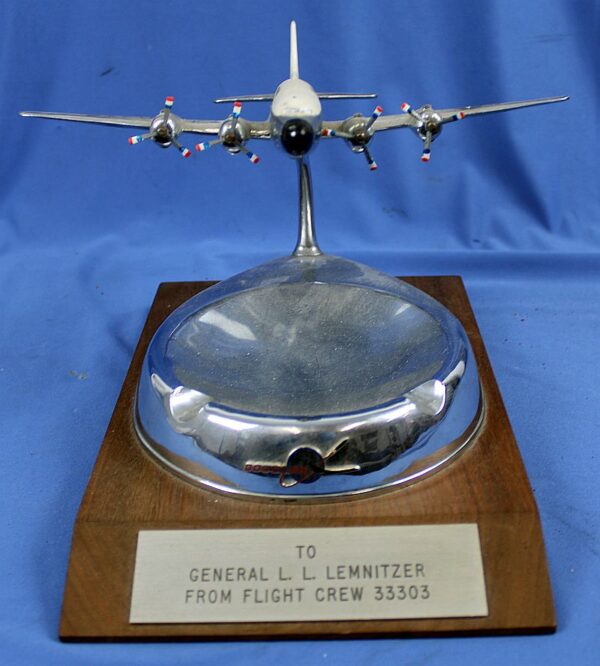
(308, 376)
(234, 133)
(193, 126)
(338, 95)
(357, 132)
(260, 97)
(395, 121)
(307, 238)
(119, 121)
(264, 129)
(165, 128)
(268, 97)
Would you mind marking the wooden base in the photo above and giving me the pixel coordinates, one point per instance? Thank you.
(486, 485)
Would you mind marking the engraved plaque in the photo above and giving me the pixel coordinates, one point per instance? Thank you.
(310, 574)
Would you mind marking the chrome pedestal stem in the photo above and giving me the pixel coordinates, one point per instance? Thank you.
(307, 245)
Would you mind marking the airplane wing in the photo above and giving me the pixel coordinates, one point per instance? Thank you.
(197, 126)
(426, 121)
(123, 121)
(395, 121)
(258, 130)
(450, 115)
(334, 127)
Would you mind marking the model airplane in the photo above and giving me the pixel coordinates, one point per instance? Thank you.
(295, 120)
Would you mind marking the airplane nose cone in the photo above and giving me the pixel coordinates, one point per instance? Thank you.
(297, 137)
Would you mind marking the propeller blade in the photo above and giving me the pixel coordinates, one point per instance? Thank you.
(205, 145)
(185, 152)
(335, 133)
(371, 162)
(169, 101)
(407, 108)
(139, 138)
(253, 157)
(376, 113)
(235, 114)
(426, 156)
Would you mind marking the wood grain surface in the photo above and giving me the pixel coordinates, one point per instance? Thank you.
(128, 491)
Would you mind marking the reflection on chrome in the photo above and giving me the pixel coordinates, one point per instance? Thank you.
(225, 422)
(402, 309)
(228, 326)
(343, 444)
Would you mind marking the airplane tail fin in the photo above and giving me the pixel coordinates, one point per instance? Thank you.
(294, 73)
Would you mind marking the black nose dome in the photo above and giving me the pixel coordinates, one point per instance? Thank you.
(297, 137)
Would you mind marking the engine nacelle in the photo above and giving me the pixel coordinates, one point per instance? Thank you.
(431, 122)
(360, 134)
(233, 134)
(165, 129)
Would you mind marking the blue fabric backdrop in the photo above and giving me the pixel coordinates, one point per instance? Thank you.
(90, 226)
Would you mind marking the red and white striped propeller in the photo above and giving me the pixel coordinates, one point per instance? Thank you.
(429, 126)
(232, 136)
(358, 133)
(164, 130)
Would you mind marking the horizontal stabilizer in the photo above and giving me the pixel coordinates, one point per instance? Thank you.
(334, 95)
(245, 98)
(269, 97)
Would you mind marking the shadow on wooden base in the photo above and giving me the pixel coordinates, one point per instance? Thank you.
(128, 492)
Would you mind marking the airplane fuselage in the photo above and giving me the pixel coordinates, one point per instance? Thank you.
(295, 117)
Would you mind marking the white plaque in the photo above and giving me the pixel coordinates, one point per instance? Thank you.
(281, 575)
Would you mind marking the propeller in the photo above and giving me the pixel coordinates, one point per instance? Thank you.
(358, 132)
(429, 125)
(164, 130)
(377, 111)
(370, 161)
(233, 135)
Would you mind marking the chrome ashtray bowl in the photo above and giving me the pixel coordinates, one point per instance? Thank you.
(307, 377)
